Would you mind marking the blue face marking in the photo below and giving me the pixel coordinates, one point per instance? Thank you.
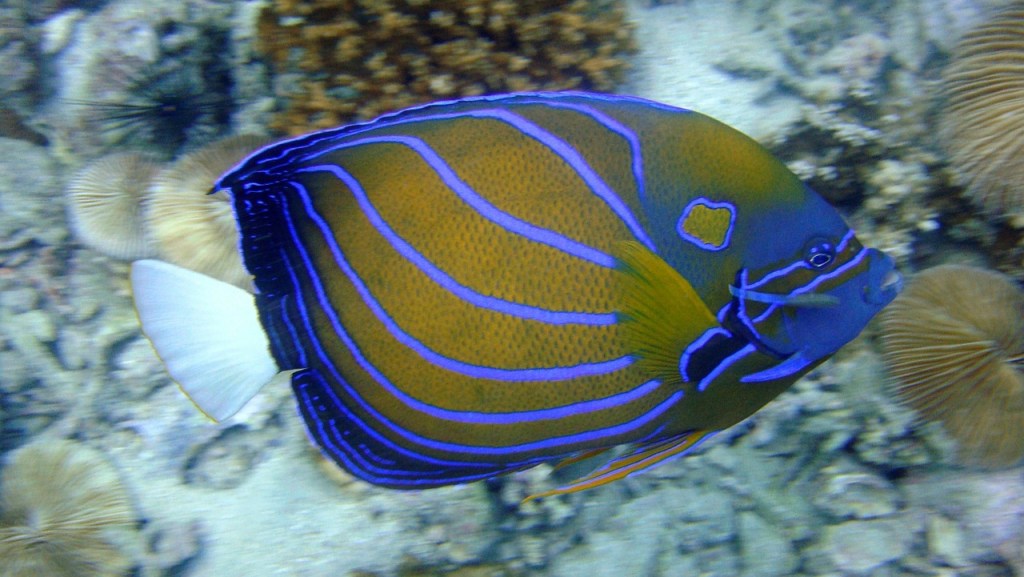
(704, 224)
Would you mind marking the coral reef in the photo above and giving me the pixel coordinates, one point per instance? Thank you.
(832, 478)
(17, 57)
(340, 60)
(191, 227)
(65, 513)
(104, 202)
(954, 341)
(983, 121)
(141, 74)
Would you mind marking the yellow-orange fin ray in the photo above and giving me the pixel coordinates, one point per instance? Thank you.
(642, 458)
(579, 458)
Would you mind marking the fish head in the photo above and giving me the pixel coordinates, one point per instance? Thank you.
(802, 309)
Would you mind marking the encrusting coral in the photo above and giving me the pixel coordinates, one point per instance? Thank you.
(984, 118)
(104, 202)
(337, 60)
(64, 513)
(191, 227)
(954, 341)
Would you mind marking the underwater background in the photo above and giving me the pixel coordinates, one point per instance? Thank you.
(900, 456)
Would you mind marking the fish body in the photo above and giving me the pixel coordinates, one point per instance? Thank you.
(473, 287)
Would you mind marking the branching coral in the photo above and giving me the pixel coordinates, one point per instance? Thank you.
(984, 118)
(342, 59)
(63, 506)
(954, 341)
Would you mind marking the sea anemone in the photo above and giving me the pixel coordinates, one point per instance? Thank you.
(105, 204)
(984, 119)
(191, 227)
(65, 513)
(954, 341)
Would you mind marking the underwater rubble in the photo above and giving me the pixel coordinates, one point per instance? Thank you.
(835, 477)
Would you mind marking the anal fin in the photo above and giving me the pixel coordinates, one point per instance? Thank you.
(643, 457)
(579, 458)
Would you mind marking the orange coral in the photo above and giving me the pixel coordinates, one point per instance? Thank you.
(339, 60)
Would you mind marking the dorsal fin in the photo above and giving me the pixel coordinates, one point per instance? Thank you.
(660, 311)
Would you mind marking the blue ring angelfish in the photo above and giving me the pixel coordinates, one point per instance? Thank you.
(475, 286)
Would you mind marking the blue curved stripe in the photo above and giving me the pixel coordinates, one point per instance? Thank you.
(796, 265)
(444, 279)
(447, 363)
(684, 359)
(613, 125)
(555, 442)
(294, 146)
(554, 143)
(291, 327)
(333, 442)
(354, 461)
(481, 205)
(722, 366)
(809, 287)
(353, 394)
(507, 418)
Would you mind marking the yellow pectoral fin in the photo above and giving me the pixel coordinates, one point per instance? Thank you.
(661, 312)
(645, 456)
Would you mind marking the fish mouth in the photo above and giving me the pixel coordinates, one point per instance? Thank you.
(883, 292)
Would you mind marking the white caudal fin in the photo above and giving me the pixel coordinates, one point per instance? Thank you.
(207, 332)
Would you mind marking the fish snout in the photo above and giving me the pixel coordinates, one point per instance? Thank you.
(884, 281)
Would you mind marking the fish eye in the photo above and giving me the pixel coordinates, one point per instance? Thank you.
(820, 254)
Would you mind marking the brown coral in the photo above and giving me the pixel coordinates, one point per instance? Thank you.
(191, 227)
(351, 59)
(65, 513)
(105, 204)
(984, 118)
(954, 341)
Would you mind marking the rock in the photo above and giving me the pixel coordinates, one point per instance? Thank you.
(729, 66)
(860, 547)
(172, 546)
(74, 350)
(765, 549)
(29, 188)
(946, 541)
(857, 496)
(707, 518)
(608, 554)
(36, 324)
(19, 299)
